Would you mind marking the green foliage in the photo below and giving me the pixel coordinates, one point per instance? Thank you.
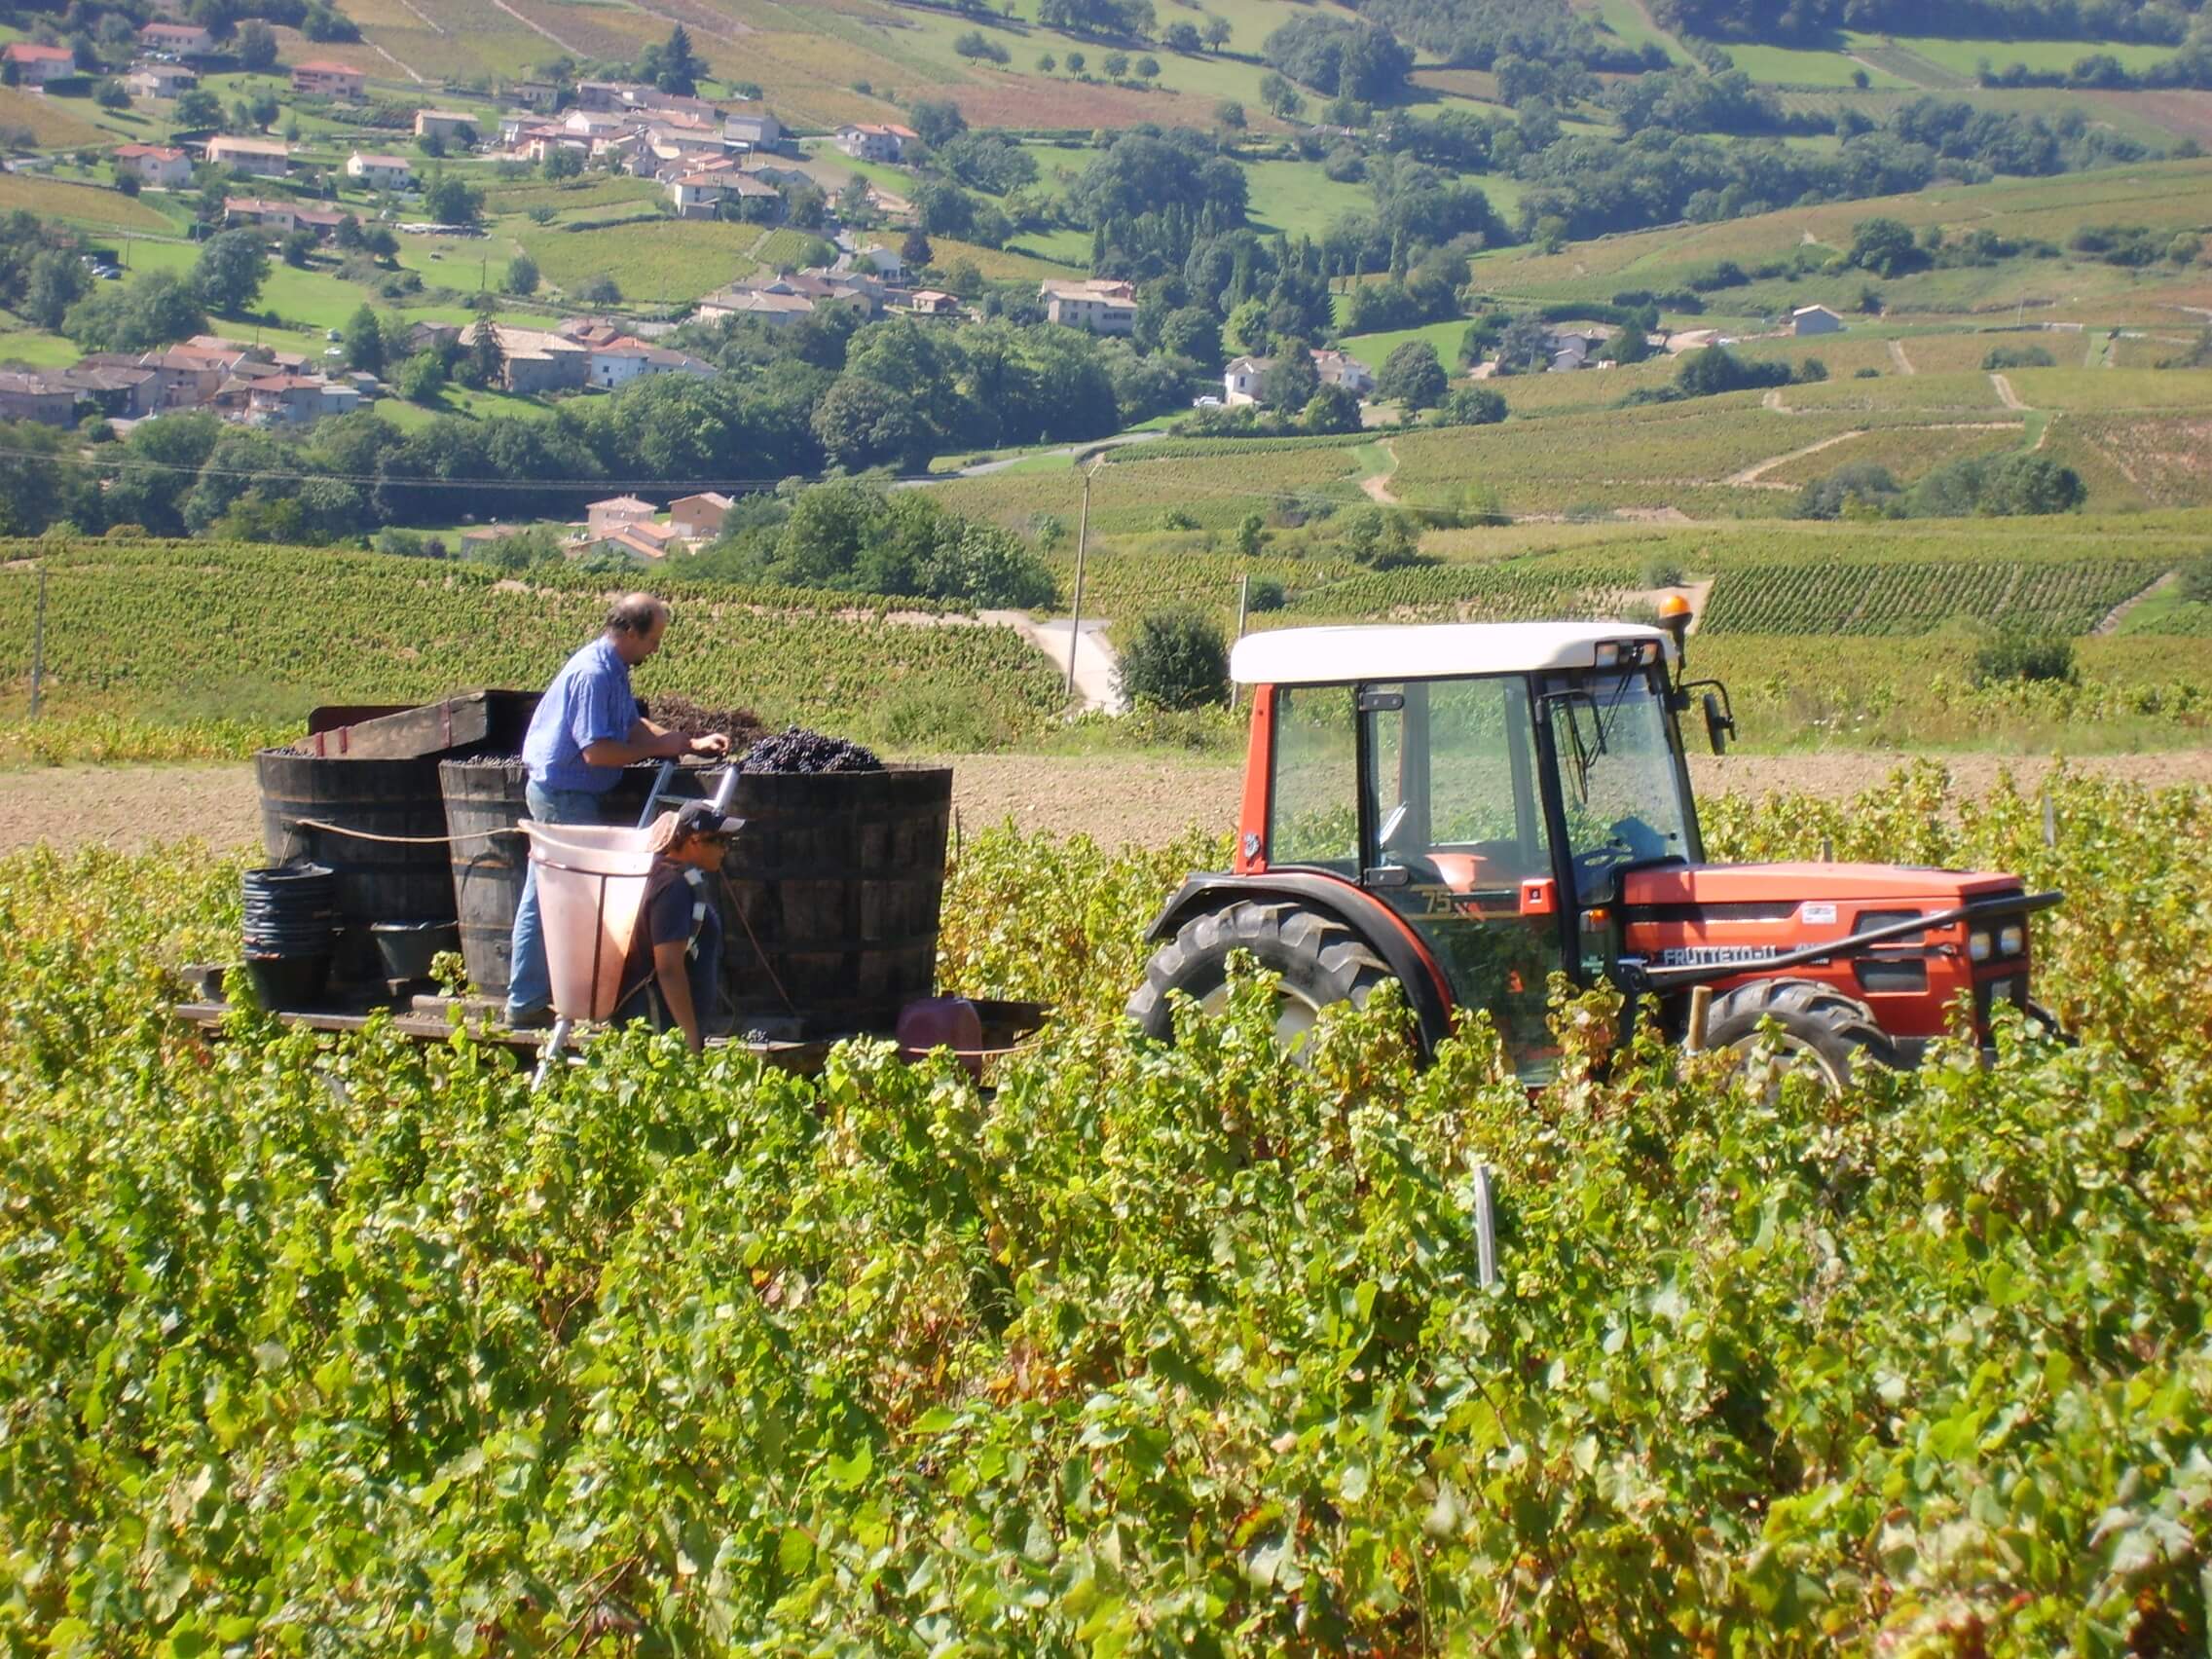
(854, 537)
(1150, 1348)
(1335, 55)
(152, 310)
(2017, 357)
(1173, 659)
(2017, 655)
(1412, 375)
(227, 275)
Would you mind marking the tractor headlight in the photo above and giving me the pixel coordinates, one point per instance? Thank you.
(1977, 945)
(2012, 939)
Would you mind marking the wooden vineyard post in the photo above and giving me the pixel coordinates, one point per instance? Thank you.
(1701, 1011)
(38, 645)
(1082, 542)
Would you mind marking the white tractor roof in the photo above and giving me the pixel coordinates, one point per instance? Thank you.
(1333, 656)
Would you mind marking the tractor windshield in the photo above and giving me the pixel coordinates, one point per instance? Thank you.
(1618, 776)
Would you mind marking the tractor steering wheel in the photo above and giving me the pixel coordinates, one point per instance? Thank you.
(1598, 862)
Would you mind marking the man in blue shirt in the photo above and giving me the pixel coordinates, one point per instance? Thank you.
(586, 729)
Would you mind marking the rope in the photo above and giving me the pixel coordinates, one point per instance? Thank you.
(398, 840)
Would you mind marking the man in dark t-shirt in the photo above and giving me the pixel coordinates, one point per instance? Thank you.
(677, 948)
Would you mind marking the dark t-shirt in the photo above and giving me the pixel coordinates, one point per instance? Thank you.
(679, 911)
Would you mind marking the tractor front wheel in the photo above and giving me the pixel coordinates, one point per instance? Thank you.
(1819, 1029)
(1318, 960)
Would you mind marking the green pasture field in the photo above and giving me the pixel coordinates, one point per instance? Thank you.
(459, 400)
(1789, 66)
(1966, 56)
(1585, 391)
(1629, 22)
(1373, 349)
(35, 348)
(1298, 199)
(1133, 495)
(670, 260)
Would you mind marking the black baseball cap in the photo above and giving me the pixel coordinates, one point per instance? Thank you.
(700, 818)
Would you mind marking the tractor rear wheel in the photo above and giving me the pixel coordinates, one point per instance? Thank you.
(1320, 961)
(1821, 1031)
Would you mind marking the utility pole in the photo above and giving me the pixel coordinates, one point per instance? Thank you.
(1244, 608)
(1082, 542)
(38, 644)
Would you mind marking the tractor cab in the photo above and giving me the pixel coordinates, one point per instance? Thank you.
(1486, 785)
(1470, 808)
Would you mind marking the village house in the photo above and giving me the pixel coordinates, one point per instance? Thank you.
(319, 77)
(533, 94)
(121, 392)
(539, 363)
(604, 96)
(160, 81)
(643, 538)
(36, 65)
(1245, 381)
(699, 518)
(886, 262)
(39, 397)
(253, 210)
(185, 40)
(323, 221)
(1342, 368)
(604, 518)
(868, 141)
(258, 157)
(380, 173)
(160, 165)
(930, 301)
(445, 124)
(776, 310)
(1815, 319)
(753, 128)
(298, 400)
(1103, 307)
(618, 362)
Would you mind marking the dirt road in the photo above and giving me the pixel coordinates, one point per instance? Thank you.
(1115, 798)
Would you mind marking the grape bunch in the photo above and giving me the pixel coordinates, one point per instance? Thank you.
(795, 748)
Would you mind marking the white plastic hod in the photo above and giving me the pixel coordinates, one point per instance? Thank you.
(591, 896)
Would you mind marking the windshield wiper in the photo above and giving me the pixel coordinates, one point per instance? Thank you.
(1610, 712)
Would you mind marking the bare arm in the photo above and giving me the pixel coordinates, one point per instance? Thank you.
(649, 742)
(675, 976)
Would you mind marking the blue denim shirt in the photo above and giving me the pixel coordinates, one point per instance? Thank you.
(588, 702)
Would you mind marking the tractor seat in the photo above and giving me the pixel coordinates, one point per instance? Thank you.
(1482, 868)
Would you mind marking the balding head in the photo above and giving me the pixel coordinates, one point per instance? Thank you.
(635, 623)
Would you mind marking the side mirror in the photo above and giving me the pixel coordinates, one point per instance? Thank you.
(1719, 727)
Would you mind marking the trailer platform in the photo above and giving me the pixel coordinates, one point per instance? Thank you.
(431, 1019)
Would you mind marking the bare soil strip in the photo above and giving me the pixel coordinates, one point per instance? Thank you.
(1897, 357)
(1113, 799)
(2118, 613)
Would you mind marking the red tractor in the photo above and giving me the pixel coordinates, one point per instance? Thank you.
(1467, 808)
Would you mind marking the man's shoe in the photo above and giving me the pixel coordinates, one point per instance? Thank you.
(538, 1018)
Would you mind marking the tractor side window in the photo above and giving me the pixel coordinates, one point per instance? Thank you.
(1482, 795)
(1314, 806)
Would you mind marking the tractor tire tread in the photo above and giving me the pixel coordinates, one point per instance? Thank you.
(1317, 954)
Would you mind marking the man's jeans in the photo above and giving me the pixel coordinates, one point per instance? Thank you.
(529, 983)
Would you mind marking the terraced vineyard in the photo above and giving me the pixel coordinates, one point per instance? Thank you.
(1906, 453)
(2063, 597)
(131, 623)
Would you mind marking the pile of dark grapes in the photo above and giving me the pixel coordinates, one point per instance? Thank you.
(797, 750)
(694, 719)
